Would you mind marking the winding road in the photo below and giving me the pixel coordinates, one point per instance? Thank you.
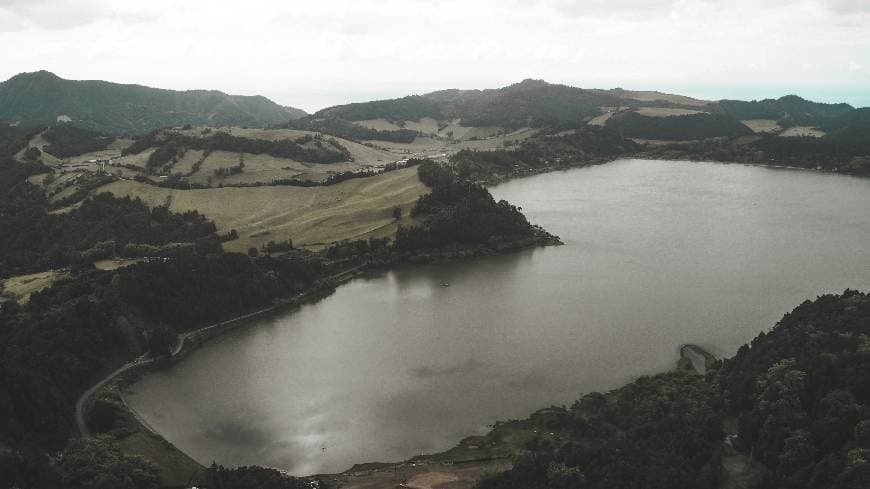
(145, 358)
(80, 403)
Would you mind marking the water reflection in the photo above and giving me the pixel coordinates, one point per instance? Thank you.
(657, 254)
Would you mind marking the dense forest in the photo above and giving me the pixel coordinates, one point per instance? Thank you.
(458, 211)
(681, 127)
(801, 393)
(66, 336)
(656, 432)
(528, 103)
(846, 151)
(101, 227)
(66, 140)
(787, 111)
(551, 150)
(409, 108)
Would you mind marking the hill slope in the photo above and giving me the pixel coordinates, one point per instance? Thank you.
(528, 103)
(43, 98)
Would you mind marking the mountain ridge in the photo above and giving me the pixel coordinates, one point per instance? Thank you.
(43, 98)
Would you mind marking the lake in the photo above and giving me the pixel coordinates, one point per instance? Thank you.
(656, 254)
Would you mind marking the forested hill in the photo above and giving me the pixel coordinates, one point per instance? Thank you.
(800, 396)
(528, 103)
(789, 110)
(642, 114)
(42, 98)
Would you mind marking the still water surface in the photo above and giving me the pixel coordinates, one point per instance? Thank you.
(656, 254)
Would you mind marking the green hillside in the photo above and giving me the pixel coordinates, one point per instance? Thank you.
(43, 98)
(528, 103)
(693, 126)
(789, 110)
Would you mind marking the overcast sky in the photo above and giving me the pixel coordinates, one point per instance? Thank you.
(317, 53)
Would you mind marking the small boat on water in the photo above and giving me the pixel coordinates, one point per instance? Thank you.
(445, 284)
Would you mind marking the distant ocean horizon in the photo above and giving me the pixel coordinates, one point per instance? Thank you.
(858, 97)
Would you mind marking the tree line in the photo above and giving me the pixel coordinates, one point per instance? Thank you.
(316, 150)
(801, 393)
(101, 227)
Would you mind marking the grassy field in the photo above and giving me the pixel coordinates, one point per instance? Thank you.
(666, 111)
(309, 216)
(175, 469)
(762, 125)
(601, 119)
(801, 131)
(431, 127)
(362, 155)
(187, 161)
(20, 287)
(649, 96)
(260, 168)
(140, 159)
(432, 147)
(115, 263)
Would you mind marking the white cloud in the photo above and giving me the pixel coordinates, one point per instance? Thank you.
(311, 54)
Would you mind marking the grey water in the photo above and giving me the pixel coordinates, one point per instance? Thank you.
(656, 254)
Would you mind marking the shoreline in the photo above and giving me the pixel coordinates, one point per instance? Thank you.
(190, 341)
(116, 382)
(530, 172)
(474, 455)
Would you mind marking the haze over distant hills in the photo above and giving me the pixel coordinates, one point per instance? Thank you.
(645, 115)
(43, 98)
(538, 103)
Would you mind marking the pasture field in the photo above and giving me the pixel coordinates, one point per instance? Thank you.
(362, 154)
(174, 467)
(187, 161)
(666, 111)
(601, 120)
(425, 146)
(802, 131)
(139, 160)
(762, 125)
(651, 96)
(430, 127)
(20, 287)
(311, 216)
(116, 263)
(261, 168)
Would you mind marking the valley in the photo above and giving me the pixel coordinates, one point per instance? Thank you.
(131, 236)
